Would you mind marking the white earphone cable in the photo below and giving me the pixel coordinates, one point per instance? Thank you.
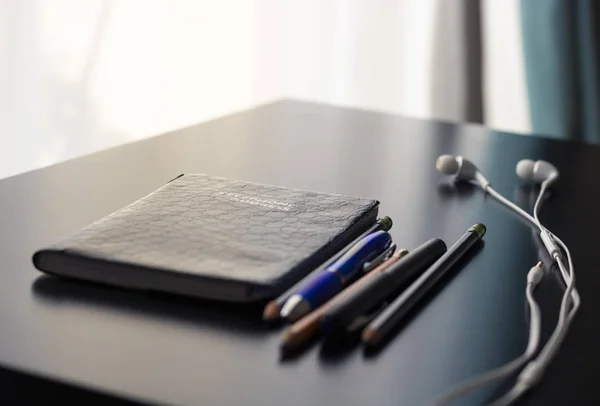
(510, 367)
(530, 219)
(538, 203)
(532, 373)
(533, 370)
(527, 217)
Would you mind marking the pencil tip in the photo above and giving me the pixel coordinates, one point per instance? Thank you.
(286, 339)
(300, 333)
(370, 337)
(271, 311)
(291, 340)
(400, 253)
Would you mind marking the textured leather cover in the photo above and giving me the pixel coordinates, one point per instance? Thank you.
(233, 240)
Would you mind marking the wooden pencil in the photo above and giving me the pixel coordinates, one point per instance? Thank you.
(305, 328)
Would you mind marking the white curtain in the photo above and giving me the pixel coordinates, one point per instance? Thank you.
(406, 57)
(78, 76)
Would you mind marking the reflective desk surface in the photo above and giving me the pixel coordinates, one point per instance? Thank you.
(89, 343)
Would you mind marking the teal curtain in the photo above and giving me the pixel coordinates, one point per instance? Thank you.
(560, 43)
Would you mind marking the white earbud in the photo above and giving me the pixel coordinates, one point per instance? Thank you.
(462, 169)
(537, 171)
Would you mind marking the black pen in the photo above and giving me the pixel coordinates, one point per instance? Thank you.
(273, 308)
(373, 291)
(399, 308)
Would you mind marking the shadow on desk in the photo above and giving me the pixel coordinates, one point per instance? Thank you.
(460, 190)
(235, 317)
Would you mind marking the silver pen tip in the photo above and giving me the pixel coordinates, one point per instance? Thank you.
(295, 308)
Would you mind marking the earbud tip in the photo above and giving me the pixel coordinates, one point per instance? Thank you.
(525, 169)
(447, 164)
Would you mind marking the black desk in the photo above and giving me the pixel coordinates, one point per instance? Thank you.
(92, 343)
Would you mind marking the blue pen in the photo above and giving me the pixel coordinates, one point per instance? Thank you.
(331, 280)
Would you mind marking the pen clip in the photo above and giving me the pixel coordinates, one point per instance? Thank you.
(384, 256)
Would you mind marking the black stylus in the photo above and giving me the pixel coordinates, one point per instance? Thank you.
(374, 291)
(399, 308)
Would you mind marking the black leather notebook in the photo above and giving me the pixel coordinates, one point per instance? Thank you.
(211, 237)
